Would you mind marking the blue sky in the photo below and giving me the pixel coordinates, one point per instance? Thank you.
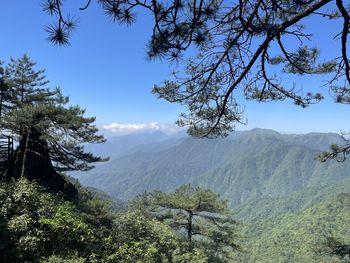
(105, 71)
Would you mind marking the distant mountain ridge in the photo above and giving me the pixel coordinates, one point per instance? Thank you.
(242, 167)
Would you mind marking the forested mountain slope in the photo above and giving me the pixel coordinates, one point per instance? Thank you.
(262, 208)
(299, 236)
(244, 166)
(132, 174)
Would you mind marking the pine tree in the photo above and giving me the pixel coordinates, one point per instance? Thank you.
(199, 214)
(49, 133)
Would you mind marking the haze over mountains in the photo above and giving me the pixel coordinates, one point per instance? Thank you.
(245, 166)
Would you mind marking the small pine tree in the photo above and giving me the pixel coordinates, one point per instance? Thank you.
(26, 83)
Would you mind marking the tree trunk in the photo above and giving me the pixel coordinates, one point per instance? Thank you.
(33, 162)
(1, 99)
(25, 154)
(189, 230)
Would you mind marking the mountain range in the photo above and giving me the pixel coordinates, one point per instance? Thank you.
(246, 165)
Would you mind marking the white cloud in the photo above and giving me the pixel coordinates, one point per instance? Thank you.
(131, 127)
(124, 128)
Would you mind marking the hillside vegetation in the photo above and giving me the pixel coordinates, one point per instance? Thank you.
(299, 236)
(37, 225)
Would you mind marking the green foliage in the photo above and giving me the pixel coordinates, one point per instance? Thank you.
(55, 259)
(26, 85)
(39, 226)
(21, 207)
(195, 256)
(36, 224)
(100, 200)
(185, 198)
(143, 239)
(298, 235)
(68, 226)
(261, 208)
